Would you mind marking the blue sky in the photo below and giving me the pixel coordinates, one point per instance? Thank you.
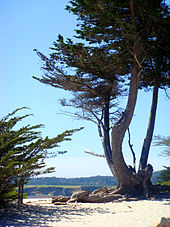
(29, 24)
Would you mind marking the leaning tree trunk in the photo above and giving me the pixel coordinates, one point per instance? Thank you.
(20, 193)
(107, 145)
(149, 134)
(106, 135)
(128, 182)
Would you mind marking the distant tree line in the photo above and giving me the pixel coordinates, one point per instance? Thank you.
(82, 181)
(164, 142)
(38, 191)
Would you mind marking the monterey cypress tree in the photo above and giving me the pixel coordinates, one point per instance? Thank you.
(22, 155)
(124, 46)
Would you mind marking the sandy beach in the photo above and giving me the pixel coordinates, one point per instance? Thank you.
(41, 212)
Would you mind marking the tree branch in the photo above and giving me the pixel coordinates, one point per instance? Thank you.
(131, 5)
(133, 153)
(94, 154)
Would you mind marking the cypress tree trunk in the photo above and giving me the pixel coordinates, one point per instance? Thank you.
(22, 191)
(150, 129)
(128, 182)
(19, 195)
(106, 136)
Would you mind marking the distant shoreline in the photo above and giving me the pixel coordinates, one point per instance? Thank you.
(39, 197)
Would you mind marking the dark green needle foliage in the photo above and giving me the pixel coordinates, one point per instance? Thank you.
(22, 154)
(165, 176)
(97, 68)
(164, 142)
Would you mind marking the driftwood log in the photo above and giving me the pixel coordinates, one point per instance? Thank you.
(102, 195)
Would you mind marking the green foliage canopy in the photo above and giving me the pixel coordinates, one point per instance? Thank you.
(120, 24)
(164, 142)
(100, 64)
(23, 152)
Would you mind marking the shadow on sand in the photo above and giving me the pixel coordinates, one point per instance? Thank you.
(35, 215)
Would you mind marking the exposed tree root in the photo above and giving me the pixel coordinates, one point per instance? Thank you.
(104, 195)
(87, 197)
(117, 191)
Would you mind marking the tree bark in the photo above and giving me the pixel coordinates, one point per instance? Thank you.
(150, 129)
(133, 153)
(127, 180)
(105, 134)
(106, 137)
(19, 195)
(22, 192)
(107, 146)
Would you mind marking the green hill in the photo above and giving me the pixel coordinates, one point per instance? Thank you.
(79, 181)
(82, 181)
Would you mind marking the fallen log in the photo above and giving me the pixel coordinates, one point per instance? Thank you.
(103, 195)
(97, 191)
(80, 196)
(60, 203)
(60, 198)
(100, 196)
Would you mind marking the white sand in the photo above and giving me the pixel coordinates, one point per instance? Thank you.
(132, 214)
(41, 212)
